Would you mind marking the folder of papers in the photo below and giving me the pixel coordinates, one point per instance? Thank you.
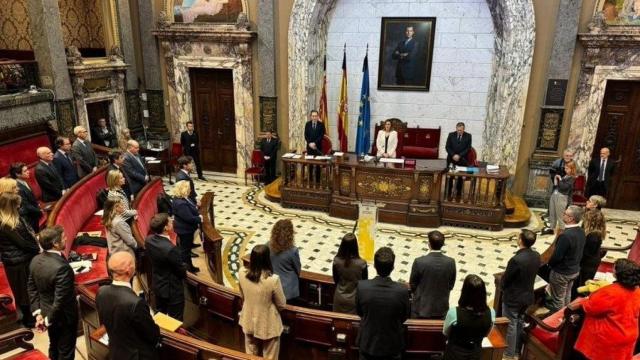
(338, 153)
(392, 160)
(166, 322)
(288, 155)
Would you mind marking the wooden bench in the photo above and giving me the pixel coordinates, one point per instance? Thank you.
(20, 339)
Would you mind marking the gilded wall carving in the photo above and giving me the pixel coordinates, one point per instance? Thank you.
(14, 26)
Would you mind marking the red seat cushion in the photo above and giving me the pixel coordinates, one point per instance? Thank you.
(5, 289)
(147, 206)
(419, 152)
(605, 267)
(29, 355)
(22, 150)
(551, 339)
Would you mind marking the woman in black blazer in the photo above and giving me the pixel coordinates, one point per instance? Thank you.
(186, 220)
(348, 269)
(18, 245)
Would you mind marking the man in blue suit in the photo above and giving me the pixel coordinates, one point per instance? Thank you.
(64, 163)
(406, 54)
(133, 167)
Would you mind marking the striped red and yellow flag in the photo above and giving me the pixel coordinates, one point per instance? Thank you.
(343, 108)
(323, 112)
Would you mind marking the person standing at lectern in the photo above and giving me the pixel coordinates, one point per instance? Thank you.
(313, 133)
(387, 141)
(269, 147)
(599, 174)
(458, 145)
(191, 147)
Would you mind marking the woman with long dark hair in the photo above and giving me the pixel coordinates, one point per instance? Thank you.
(285, 258)
(595, 229)
(610, 327)
(18, 245)
(348, 268)
(263, 299)
(468, 323)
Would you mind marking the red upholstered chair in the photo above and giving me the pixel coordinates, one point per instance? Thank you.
(578, 191)
(256, 170)
(176, 152)
(472, 158)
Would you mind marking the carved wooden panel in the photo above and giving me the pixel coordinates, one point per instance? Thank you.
(345, 182)
(374, 185)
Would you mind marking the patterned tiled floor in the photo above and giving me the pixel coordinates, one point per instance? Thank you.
(245, 217)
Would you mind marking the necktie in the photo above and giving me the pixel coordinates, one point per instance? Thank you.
(314, 126)
(459, 138)
(603, 163)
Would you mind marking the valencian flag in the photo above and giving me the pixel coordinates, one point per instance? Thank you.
(343, 112)
(322, 110)
(363, 138)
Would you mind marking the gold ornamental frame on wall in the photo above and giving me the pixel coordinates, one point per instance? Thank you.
(169, 4)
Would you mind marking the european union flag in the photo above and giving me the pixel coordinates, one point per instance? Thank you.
(363, 137)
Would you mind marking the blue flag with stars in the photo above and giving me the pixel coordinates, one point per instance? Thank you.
(363, 136)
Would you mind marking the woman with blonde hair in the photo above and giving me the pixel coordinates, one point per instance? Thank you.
(119, 236)
(115, 182)
(561, 196)
(8, 185)
(125, 135)
(285, 258)
(18, 245)
(186, 220)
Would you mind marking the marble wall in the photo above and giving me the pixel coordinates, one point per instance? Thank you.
(513, 24)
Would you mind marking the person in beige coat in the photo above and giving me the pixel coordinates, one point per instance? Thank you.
(119, 236)
(263, 299)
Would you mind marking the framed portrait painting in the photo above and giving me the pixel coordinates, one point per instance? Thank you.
(620, 12)
(406, 53)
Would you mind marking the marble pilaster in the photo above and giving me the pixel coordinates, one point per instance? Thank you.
(126, 42)
(266, 48)
(149, 46)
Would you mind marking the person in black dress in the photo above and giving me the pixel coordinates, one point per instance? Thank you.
(348, 269)
(269, 147)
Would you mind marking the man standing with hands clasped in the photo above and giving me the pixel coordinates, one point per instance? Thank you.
(191, 147)
(313, 133)
(269, 148)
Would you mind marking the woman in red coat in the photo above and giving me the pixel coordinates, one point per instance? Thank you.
(610, 326)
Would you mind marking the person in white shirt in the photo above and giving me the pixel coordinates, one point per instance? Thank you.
(387, 141)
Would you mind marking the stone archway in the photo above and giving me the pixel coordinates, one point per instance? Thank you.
(514, 25)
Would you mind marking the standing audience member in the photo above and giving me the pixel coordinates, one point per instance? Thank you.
(565, 260)
(133, 167)
(29, 207)
(116, 162)
(432, 279)
(595, 202)
(263, 299)
(185, 164)
(83, 152)
(115, 183)
(561, 196)
(468, 323)
(187, 220)
(595, 229)
(517, 289)
(132, 332)
(124, 138)
(557, 168)
(102, 135)
(269, 147)
(119, 236)
(610, 327)
(348, 269)
(168, 269)
(383, 306)
(64, 163)
(53, 296)
(48, 177)
(18, 245)
(285, 258)
(191, 147)
(599, 174)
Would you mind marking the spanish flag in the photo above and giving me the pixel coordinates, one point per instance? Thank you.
(322, 109)
(343, 111)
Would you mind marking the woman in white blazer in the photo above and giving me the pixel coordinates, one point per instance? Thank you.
(387, 141)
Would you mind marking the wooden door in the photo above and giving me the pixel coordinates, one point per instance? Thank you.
(214, 118)
(619, 130)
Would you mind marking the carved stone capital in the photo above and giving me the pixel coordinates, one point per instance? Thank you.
(74, 57)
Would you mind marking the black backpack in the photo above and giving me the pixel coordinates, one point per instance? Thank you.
(165, 203)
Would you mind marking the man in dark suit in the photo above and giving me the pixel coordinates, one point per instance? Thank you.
(83, 152)
(48, 177)
(103, 135)
(168, 269)
(517, 289)
(191, 147)
(132, 332)
(116, 162)
(133, 166)
(599, 174)
(269, 147)
(313, 134)
(64, 163)
(432, 279)
(565, 260)
(458, 145)
(406, 53)
(29, 207)
(185, 164)
(383, 306)
(53, 296)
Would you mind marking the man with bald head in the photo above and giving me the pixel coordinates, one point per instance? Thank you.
(599, 174)
(48, 177)
(83, 152)
(132, 332)
(133, 167)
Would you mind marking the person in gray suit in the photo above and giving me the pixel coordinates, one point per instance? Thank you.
(119, 235)
(133, 167)
(83, 152)
(432, 279)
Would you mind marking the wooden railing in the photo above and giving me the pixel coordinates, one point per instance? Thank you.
(211, 239)
(307, 183)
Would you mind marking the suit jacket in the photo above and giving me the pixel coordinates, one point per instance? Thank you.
(185, 216)
(66, 168)
(168, 268)
(392, 143)
(406, 66)
(99, 137)
(432, 279)
(270, 148)
(314, 136)
(454, 146)
(120, 238)
(132, 332)
(182, 176)
(594, 171)
(346, 280)
(135, 171)
(50, 181)
(518, 279)
(190, 143)
(262, 302)
(125, 187)
(287, 265)
(85, 156)
(383, 306)
(51, 289)
(29, 207)
(567, 254)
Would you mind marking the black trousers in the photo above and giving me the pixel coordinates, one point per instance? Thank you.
(62, 341)
(171, 307)
(461, 162)
(186, 244)
(196, 159)
(269, 170)
(597, 188)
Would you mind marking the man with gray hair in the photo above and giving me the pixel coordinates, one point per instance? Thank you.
(134, 168)
(565, 261)
(83, 152)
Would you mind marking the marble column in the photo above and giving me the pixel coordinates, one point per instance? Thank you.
(48, 47)
(126, 43)
(266, 48)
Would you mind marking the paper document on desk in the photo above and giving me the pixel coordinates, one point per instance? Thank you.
(392, 160)
(99, 213)
(149, 158)
(80, 267)
(493, 167)
(298, 156)
(338, 153)
(460, 169)
(104, 339)
(486, 343)
(154, 162)
(166, 322)
(539, 282)
(319, 157)
(288, 155)
(309, 157)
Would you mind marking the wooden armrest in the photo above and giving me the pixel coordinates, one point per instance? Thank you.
(537, 322)
(47, 207)
(18, 337)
